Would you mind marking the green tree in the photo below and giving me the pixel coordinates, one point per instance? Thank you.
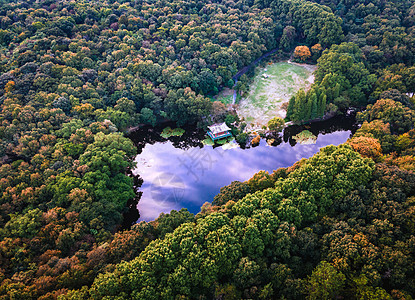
(400, 118)
(276, 124)
(288, 38)
(300, 108)
(235, 191)
(147, 116)
(168, 222)
(325, 282)
(314, 113)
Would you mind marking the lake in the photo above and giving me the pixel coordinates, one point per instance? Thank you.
(181, 172)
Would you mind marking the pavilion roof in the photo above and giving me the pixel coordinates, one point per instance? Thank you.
(217, 128)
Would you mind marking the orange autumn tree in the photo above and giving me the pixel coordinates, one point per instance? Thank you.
(366, 146)
(405, 162)
(302, 53)
(316, 48)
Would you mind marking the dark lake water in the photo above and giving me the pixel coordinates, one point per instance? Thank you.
(181, 172)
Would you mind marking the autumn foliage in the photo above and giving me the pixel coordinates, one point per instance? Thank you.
(302, 53)
(74, 77)
(255, 141)
(366, 146)
(316, 48)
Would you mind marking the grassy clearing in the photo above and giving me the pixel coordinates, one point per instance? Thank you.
(225, 96)
(267, 95)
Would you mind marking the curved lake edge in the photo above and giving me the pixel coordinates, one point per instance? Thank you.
(193, 137)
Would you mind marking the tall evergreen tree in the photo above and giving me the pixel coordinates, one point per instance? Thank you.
(308, 108)
(336, 91)
(314, 106)
(290, 108)
(323, 104)
(300, 110)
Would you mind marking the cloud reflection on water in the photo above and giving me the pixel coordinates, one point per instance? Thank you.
(176, 178)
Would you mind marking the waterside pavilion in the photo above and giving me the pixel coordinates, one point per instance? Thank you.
(219, 131)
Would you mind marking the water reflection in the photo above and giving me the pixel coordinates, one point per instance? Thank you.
(180, 172)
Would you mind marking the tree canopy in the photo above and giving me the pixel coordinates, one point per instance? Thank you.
(77, 75)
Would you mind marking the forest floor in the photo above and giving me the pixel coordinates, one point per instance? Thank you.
(273, 86)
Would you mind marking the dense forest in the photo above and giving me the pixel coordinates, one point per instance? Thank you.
(76, 75)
